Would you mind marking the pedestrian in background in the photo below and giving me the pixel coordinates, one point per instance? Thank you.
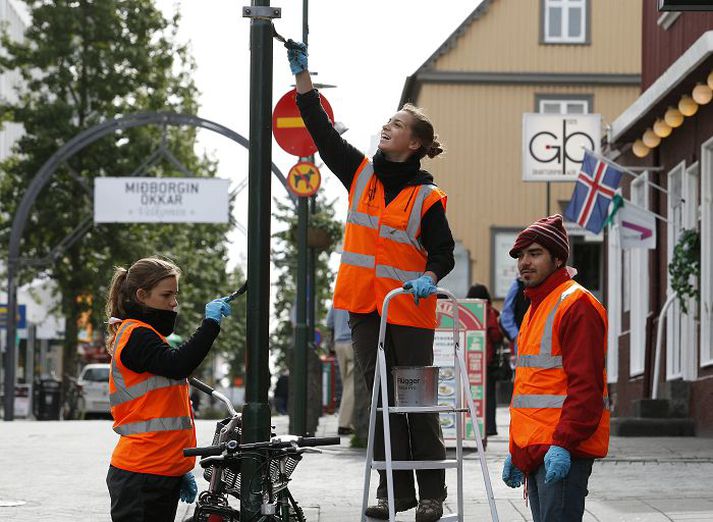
(281, 392)
(514, 308)
(338, 324)
(559, 418)
(149, 392)
(494, 342)
(396, 235)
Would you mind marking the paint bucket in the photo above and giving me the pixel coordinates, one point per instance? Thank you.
(415, 385)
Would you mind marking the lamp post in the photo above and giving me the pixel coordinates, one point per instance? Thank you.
(256, 411)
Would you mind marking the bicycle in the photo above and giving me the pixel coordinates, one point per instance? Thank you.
(222, 461)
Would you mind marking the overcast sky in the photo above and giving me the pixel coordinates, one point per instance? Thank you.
(367, 48)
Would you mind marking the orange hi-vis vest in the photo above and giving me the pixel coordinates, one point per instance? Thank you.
(152, 414)
(540, 387)
(382, 249)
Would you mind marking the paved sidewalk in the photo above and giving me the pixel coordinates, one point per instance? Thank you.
(57, 469)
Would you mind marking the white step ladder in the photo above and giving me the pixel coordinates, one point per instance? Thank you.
(380, 384)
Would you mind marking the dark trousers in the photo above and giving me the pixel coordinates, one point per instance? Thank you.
(137, 497)
(416, 436)
(561, 501)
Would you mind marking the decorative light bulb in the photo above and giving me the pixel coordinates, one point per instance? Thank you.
(702, 94)
(673, 117)
(650, 139)
(662, 129)
(640, 150)
(687, 105)
(709, 80)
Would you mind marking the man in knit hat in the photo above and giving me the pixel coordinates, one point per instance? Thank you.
(559, 417)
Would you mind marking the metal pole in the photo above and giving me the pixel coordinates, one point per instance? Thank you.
(298, 379)
(9, 361)
(256, 412)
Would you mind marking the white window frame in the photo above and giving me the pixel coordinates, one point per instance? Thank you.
(675, 321)
(706, 281)
(614, 303)
(639, 287)
(563, 102)
(565, 6)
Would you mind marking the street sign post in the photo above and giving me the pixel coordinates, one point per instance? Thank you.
(304, 179)
(289, 128)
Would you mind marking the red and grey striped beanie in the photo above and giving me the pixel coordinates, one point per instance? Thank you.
(548, 232)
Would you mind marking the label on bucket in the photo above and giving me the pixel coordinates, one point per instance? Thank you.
(416, 386)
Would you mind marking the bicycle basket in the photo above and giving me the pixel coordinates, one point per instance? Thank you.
(231, 472)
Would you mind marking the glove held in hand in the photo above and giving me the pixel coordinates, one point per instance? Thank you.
(557, 464)
(420, 287)
(512, 476)
(297, 56)
(189, 488)
(217, 309)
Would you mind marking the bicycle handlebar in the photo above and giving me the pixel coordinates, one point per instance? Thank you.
(233, 447)
(201, 385)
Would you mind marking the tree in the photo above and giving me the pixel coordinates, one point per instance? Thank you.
(83, 62)
(284, 257)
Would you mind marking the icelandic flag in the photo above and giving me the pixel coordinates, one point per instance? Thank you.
(594, 190)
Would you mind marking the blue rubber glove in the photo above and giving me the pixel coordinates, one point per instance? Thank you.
(557, 463)
(297, 56)
(512, 476)
(421, 287)
(189, 488)
(217, 309)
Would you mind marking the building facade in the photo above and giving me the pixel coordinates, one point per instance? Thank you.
(508, 58)
(668, 130)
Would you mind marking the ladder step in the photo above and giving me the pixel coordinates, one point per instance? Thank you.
(424, 409)
(416, 464)
(447, 517)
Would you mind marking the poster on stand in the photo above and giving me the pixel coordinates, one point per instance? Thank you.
(472, 340)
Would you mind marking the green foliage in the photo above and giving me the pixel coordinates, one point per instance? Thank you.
(284, 257)
(84, 62)
(685, 267)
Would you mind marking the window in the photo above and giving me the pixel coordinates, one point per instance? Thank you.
(565, 21)
(639, 291)
(681, 337)
(563, 103)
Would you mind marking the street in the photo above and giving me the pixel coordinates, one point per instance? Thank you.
(58, 470)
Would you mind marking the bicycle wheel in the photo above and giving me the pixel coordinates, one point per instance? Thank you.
(294, 512)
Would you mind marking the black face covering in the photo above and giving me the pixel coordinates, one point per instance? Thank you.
(164, 321)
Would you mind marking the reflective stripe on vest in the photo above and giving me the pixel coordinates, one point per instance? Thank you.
(153, 425)
(361, 218)
(361, 260)
(396, 273)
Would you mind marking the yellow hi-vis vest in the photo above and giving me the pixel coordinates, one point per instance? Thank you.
(152, 414)
(540, 387)
(383, 250)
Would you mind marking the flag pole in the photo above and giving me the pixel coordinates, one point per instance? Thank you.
(624, 169)
(657, 216)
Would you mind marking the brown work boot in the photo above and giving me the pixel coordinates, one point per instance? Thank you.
(380, 510)
(429, 510)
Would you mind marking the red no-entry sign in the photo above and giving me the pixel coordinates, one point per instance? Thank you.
(289, 129)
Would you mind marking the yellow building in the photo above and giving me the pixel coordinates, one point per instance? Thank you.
(507, 58)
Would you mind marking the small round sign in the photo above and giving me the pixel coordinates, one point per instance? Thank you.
(304, 179)
(289, 128)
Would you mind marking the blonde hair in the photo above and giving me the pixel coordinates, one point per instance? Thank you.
(144, 274)
(422, 129)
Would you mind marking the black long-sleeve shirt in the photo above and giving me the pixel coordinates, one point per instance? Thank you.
(146, 352)
(343, 159)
